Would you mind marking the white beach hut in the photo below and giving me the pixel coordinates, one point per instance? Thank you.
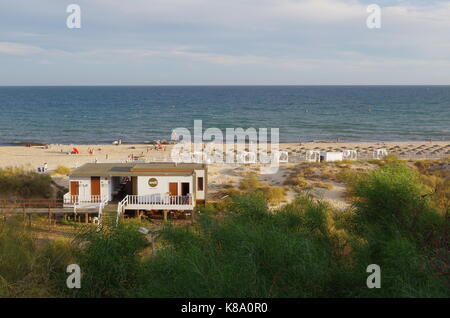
(350, 154)
(323, 156)
(331, 156)
(380, 153)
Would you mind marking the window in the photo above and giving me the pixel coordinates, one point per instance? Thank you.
(200, 183)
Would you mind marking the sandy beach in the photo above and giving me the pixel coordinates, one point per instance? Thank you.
(220, 176)
(55, 155)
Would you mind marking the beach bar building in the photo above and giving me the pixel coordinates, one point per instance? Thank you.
(163, 186)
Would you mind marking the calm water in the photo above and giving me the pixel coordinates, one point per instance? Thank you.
(139, 114)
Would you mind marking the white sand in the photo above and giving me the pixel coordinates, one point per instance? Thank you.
(57, 154)
(219, 175)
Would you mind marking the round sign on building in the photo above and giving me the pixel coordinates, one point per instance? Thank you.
(152, 182)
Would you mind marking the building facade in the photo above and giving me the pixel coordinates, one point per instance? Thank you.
(139, 186)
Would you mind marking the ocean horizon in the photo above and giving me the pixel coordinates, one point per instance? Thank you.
(141, 114)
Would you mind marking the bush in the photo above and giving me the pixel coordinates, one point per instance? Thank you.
(439, 189)
(404, 233)
(394, 199)
(249, 181)
(274, 195)
(229, 192)
(251, 253)
(25, 270)
(109, 260)
(346, 175)
(19, 182)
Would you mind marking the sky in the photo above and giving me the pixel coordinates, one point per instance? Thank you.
(224, 42)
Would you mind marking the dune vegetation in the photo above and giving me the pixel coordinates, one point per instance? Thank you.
(240, 247)
(19, 182)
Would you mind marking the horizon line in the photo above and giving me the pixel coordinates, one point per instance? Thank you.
(236, 85)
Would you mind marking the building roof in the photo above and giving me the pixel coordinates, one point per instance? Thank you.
(136, 169)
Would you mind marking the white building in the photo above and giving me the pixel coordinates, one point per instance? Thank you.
(324, 156)
(164, 186)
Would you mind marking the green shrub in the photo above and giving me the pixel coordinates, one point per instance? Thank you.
(392, 198)
(404, 233)
(109, 260)
(25, 270)
(22, 183)
(251, 253)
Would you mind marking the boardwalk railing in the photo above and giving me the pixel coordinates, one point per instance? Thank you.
(30, 204)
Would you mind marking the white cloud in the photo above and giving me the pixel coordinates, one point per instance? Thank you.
(352, 59)
(11, 48)
(235, 13)
(326, 38)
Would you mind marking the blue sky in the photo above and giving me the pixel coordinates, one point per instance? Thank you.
(224, 42)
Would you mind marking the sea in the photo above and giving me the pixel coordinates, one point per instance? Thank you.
(141, 114)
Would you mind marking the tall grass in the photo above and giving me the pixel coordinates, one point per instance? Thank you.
(109, 260)
(26, 269)
(22, 183)
(404, 232)
(252, 253)
(250, 180)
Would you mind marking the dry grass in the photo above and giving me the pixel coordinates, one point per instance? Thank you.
(274, 195)
(62, 170)
(250, 180)
(323, 185)
(23, 183)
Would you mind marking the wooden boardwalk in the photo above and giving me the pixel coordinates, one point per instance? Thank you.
(52, 208)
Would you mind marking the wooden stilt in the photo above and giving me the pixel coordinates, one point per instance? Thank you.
(165, 215)
(49, 215)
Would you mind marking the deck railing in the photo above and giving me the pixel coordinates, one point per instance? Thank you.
(159, 199)
(149, 201)
(76, 199)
